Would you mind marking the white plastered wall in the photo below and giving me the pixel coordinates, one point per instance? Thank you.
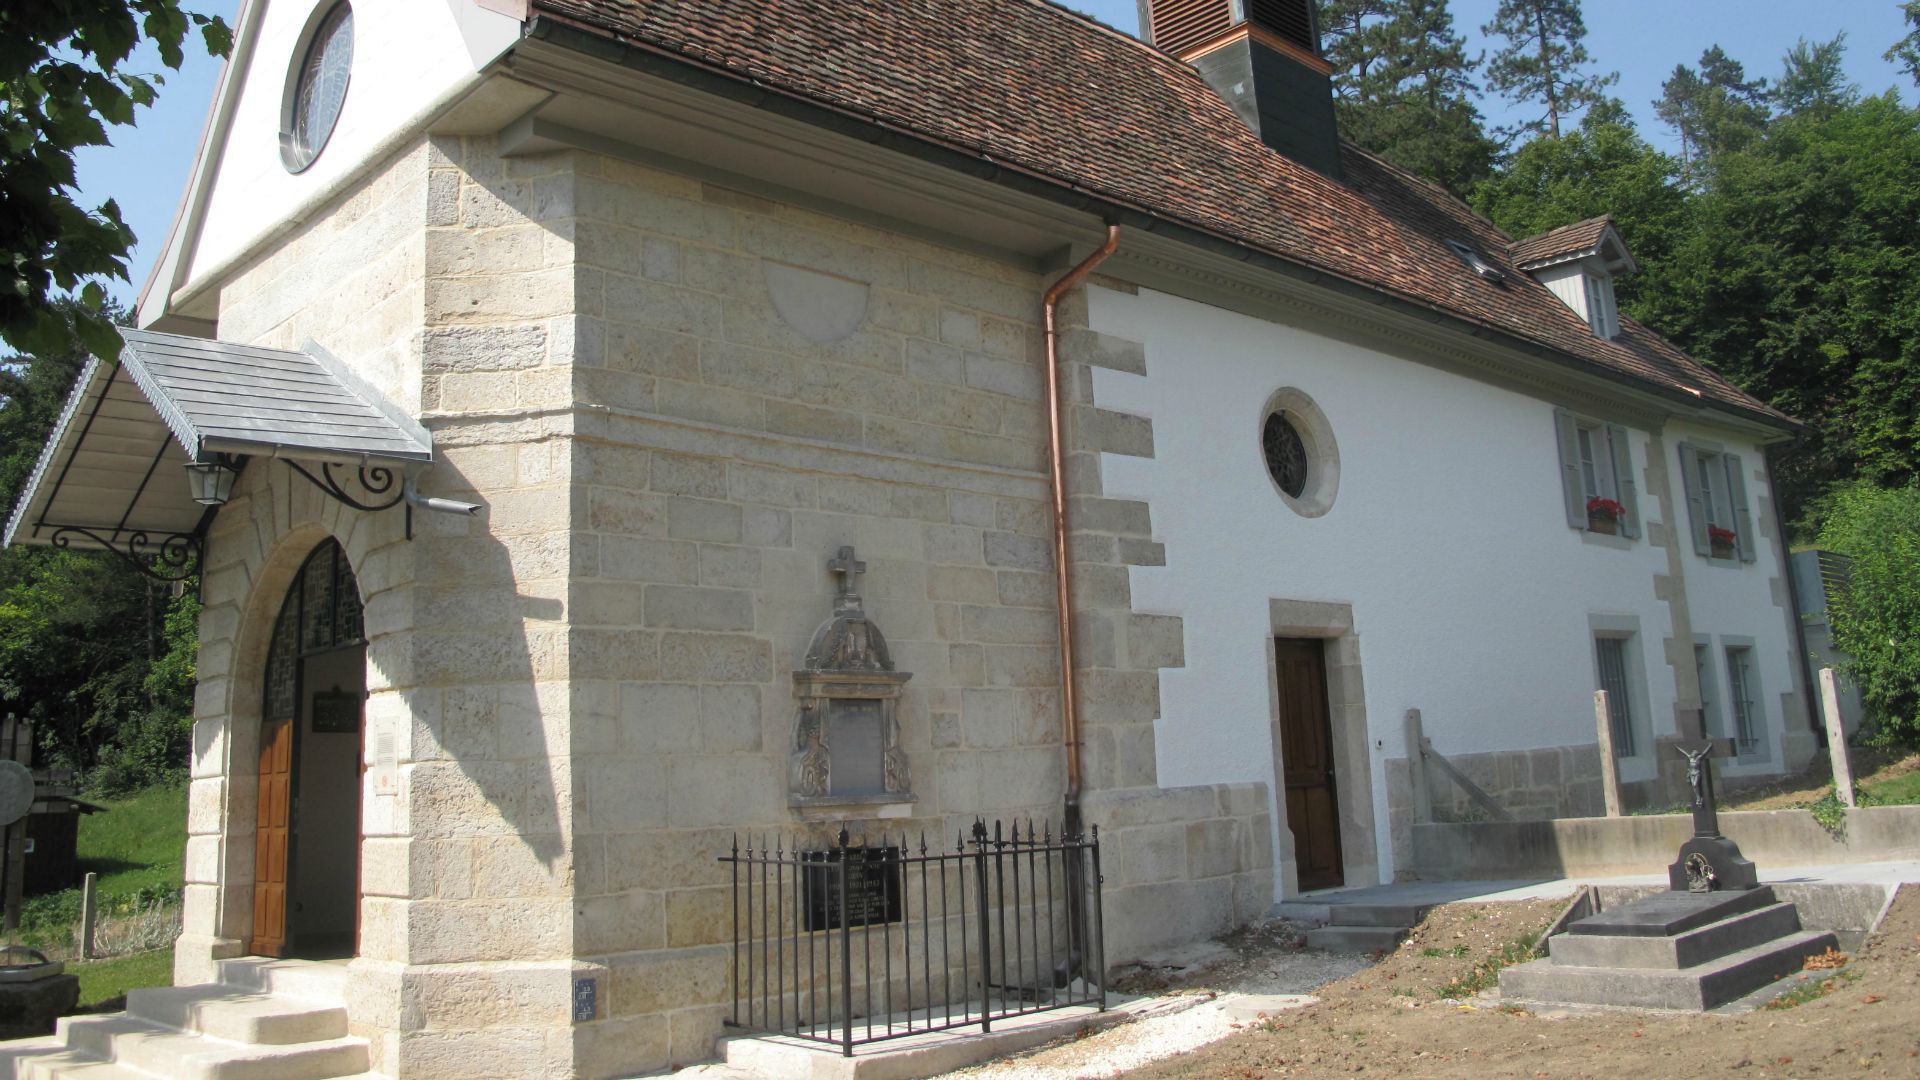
(408, 54)
(1471, 597)
(1741, 601)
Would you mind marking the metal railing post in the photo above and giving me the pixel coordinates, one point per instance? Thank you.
(846, 957)
(986, 925)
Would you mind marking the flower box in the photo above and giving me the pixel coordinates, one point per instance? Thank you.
(1722, 543)
(1603, 515)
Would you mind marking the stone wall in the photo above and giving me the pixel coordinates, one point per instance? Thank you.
(1532, 785)
(675, 403)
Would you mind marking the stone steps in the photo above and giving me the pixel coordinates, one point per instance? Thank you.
(1354, 927)
(1689, 949)
(268, 1020)
(1698, 988)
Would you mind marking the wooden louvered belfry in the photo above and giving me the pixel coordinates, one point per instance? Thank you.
(1178, 25)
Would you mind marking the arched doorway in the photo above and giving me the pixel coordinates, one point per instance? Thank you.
(307, 830)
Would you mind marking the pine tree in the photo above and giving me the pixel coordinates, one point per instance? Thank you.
(1544, 61)
(1715, 110)
(1406, 89)
(1815, 79)
(1906, 51)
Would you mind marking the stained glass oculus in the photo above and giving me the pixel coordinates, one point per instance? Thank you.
(1286, 454)
(320, 88)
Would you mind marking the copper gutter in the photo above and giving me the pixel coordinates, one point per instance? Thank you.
(1063, 576)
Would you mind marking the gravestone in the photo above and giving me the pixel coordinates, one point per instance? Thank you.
(846, 746)
(1713, 937)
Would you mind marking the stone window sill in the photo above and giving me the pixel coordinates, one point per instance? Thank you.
(890, 804)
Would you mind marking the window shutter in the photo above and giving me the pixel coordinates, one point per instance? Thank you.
(1696, 505)
(1742, 516)
(1573, 492)
(1623, 481)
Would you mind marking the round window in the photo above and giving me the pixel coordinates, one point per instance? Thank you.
(318, 88)
(1301, 457)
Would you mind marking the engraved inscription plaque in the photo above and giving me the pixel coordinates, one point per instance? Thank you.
(873, 887)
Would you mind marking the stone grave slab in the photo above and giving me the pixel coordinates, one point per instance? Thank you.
(1669, 914)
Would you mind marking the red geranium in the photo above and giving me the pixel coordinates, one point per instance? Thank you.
(1721, 536)
(1602, 505)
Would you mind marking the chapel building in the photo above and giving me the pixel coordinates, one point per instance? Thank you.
(565, 385)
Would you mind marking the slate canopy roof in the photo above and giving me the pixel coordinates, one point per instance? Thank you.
(1036, 87)
(111, 474)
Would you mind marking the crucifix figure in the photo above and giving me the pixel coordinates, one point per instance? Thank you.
(845, 566)
(1709, 862)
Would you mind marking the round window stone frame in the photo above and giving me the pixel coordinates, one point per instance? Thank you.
(293, 155)
(1323, 452)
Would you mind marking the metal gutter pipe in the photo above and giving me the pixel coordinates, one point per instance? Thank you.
(1063, 565)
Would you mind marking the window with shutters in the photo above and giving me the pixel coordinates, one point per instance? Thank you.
(1596, 465)
(1602, 313)
(1716, 489)
(1611, 654)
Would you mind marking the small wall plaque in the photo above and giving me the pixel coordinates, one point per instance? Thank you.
(873, 888)
(337, 712)
(586, 1000)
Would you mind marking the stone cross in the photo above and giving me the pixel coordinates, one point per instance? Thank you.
(847, 567)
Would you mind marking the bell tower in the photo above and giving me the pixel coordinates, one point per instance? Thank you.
(1263, 57)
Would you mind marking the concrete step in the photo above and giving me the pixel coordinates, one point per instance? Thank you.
(227, 1012)
(73, 1066)
(1362, 939)
(307, 979)
(149, 1047)
(1405, 916)
(1695, 989)
(1685, 950)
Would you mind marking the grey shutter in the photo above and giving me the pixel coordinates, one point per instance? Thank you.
(1623, 481)
(1696, 505)
(1573, 491)
(1742, 516)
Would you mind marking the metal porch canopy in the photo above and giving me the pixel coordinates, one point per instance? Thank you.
(111, 476)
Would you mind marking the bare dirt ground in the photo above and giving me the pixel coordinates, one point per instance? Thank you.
(1395, 1018)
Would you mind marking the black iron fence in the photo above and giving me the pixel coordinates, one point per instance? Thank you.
(862, 942)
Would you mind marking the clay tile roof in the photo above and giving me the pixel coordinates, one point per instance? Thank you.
(1049, 92)
(1575, 239)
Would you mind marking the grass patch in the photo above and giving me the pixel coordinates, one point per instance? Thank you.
(104, 983)
(1900, 791)
(1812, 990)
(1486, 974)
(138, 842)
(1457, 951)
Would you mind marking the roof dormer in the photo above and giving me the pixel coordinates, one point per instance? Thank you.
(1578, 263)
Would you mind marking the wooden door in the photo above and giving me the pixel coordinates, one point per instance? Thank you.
(272, 834)
(1306, 762)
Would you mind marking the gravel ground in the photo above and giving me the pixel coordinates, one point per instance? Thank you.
(1232, 984)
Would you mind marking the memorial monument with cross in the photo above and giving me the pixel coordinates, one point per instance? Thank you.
(1708, 861)
(847, 750)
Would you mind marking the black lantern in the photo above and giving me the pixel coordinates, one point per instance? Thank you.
(211, 482)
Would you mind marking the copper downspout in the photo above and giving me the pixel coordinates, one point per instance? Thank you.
(1063, 577)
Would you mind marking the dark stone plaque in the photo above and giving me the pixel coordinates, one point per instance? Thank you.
(1668, 914)
(872, 893)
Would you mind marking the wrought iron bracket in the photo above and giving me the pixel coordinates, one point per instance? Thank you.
(384, 490)
(169, 557)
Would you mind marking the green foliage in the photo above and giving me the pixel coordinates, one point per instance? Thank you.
(1405, 88)
(1815, 81)
(1543, 61)
(1876, 614)
(1716, 110)
(1831, 813)
(139, 843)
(1906, 51)
(63, 83)
(99, 657)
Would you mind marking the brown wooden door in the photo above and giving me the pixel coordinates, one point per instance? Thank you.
(272, 833)
(1306, 762)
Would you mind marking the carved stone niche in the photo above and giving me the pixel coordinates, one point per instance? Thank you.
(846, 746)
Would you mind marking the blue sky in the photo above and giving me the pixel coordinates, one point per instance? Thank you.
(146, 170)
